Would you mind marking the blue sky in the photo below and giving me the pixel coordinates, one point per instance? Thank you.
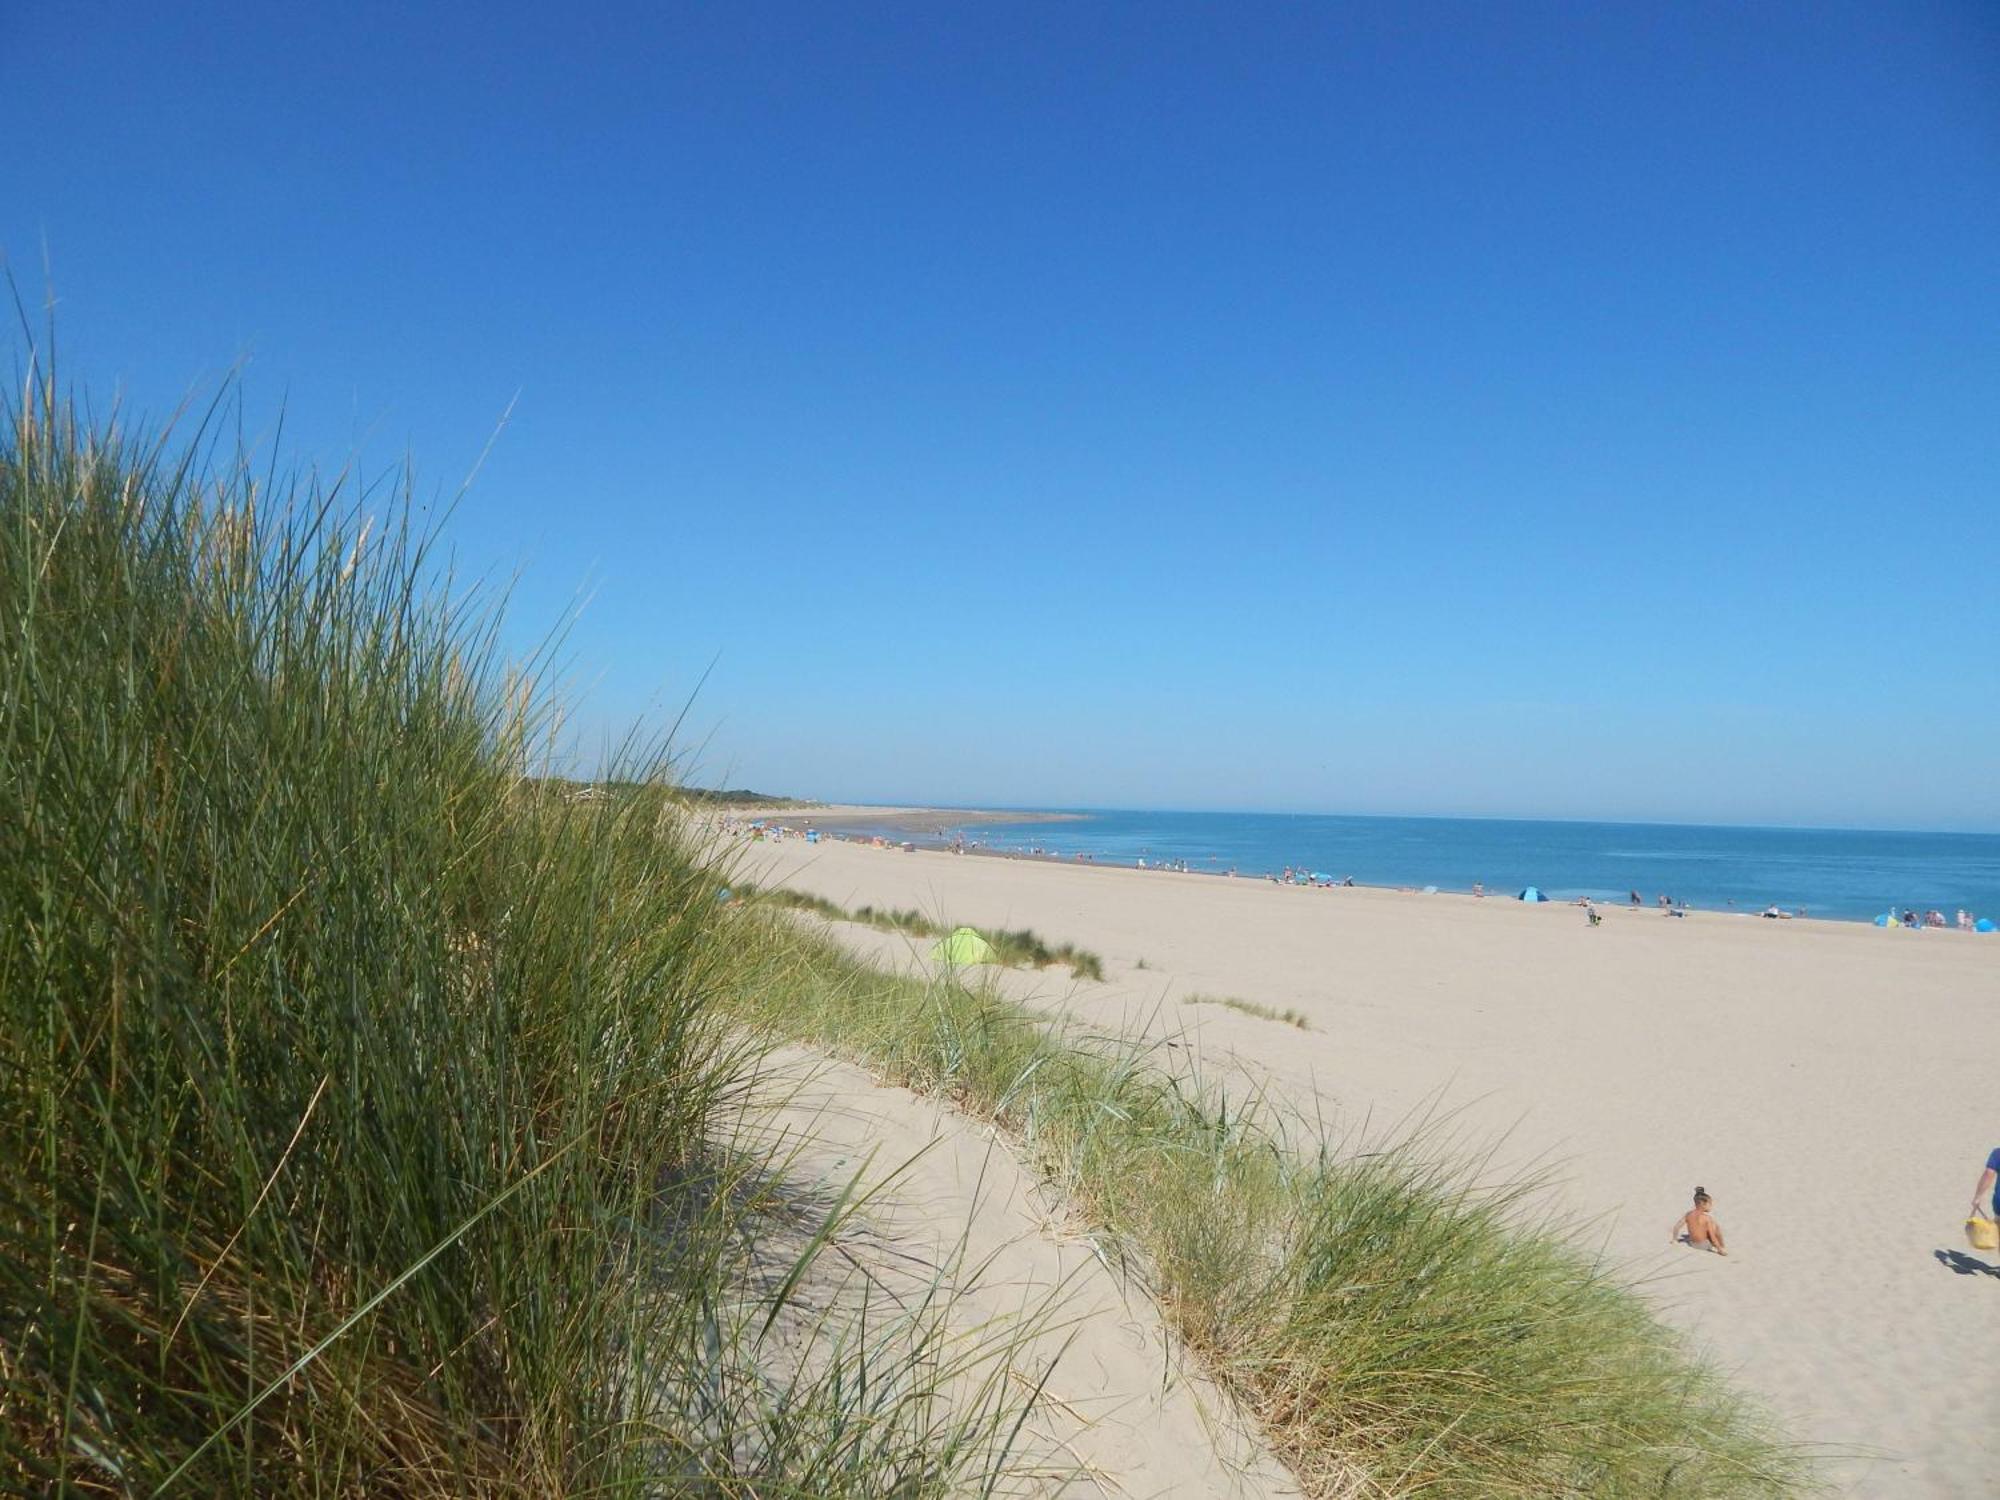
(1532, 410)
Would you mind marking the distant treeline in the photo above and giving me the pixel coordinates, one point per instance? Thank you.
(702, 796)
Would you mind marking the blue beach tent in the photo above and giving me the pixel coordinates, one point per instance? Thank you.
(1885, 920)
(1984, 924)
(1533, 893)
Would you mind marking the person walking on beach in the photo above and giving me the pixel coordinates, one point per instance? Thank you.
(1986, 1196)
(1697, 1227)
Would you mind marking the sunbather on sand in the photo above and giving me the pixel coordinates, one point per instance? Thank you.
(1697, 1226)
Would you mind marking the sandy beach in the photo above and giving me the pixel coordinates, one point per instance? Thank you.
(1831, 1084)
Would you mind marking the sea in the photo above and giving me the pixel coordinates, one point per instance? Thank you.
(1820, 872)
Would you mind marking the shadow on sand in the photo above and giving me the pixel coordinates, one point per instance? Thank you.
(1965, 1265)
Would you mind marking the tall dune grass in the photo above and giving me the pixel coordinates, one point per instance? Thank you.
(356, 1096)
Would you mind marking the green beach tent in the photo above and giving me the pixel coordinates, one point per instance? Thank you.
(964, 947)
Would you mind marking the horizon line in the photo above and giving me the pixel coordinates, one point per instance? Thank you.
(1992, 831)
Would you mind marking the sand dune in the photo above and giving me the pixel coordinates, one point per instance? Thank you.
(1121, 1412)
(1831, 1084)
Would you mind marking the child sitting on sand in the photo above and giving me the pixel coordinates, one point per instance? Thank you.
(1697, 1226)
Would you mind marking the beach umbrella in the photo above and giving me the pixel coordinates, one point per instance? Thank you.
(1984, 924)
(964, 947)
(1532, 893)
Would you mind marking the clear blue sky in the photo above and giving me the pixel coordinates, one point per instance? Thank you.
(1532, 410)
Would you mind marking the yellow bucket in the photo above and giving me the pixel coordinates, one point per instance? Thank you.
(1982, 1234)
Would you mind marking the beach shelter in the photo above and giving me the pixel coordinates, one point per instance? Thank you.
(1886, 920)
(1532, 893)
(964, 947)
(1984, 924)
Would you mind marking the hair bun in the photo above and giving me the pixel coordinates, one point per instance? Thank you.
(1701, 1192)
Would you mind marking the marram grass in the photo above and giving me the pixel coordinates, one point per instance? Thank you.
(1288, 1016)
(357, 1096)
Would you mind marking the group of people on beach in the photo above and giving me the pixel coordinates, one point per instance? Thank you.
(1964, 922)
(1298, 875)
(1665, 902)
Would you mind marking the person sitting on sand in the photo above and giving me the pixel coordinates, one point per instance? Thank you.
(1697, 1227)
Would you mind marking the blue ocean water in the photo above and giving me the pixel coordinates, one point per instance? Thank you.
(1827, 872)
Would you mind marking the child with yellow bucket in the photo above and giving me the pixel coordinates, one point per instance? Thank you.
(1983, 1228)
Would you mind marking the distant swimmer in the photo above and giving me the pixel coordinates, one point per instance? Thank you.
(1697, 1227)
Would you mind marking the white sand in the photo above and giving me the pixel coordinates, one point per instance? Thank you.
(1833, 1085)
(1121, 1410)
